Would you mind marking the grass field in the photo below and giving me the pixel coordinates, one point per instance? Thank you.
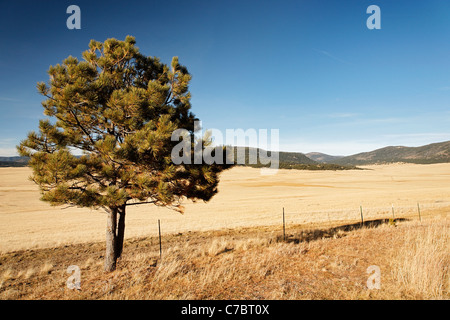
(232, 247)
(245, 199)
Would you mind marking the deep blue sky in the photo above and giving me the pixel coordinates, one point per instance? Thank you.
(311, 69)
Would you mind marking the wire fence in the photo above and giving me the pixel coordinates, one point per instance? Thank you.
(289, 217)
(335, 218)
(362, 213)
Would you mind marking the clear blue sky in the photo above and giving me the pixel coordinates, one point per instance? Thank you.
(311, 69)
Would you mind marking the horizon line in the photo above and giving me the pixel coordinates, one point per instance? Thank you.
(305, 153)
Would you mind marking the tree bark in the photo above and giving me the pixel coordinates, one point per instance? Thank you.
(111, 239)
(120, 231)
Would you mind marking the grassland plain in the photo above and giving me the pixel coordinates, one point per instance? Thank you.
(231, 248)
(245, 199)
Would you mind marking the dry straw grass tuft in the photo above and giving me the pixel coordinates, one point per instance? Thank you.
(422, 263)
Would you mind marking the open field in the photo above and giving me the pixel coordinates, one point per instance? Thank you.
(245, 199)
(233, 248)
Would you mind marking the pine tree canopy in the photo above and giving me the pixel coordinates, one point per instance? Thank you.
(118, 109)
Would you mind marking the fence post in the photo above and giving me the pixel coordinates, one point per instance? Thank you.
(284, 228)
(362, 219)
(160, 248)
(393, 215)
(418, 209)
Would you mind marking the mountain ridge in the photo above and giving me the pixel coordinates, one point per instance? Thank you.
(322, 157)
(438, 152)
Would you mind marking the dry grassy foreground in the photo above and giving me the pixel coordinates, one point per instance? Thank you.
(247, 263)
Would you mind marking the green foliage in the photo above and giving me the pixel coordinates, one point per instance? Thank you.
(314, 166)
(119, 108)
(392, 223)
(318, 166)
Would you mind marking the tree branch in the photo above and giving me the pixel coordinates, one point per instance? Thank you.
(82, 128)
(137, 203)
(96, 179)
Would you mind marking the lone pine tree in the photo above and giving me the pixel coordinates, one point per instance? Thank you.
(118, 109)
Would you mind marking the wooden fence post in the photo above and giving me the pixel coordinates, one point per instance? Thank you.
(362, 219)
(284, 227)
(418, 209)
(160, 248)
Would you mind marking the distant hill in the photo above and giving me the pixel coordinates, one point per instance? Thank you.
(431, 153)
(295, 157)
(289, 160)
(13, 161)
(322, 157)
(285, 157)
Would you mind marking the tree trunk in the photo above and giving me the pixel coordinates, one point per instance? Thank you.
(120, 231)
(110, 255)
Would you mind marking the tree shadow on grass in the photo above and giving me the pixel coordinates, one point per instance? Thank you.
(335, 232)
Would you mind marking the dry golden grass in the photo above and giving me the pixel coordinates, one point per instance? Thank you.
(422, 263)
(245, 199)
(247, 263)
(233, 248)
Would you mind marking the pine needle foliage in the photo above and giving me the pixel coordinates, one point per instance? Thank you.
(118, 109)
